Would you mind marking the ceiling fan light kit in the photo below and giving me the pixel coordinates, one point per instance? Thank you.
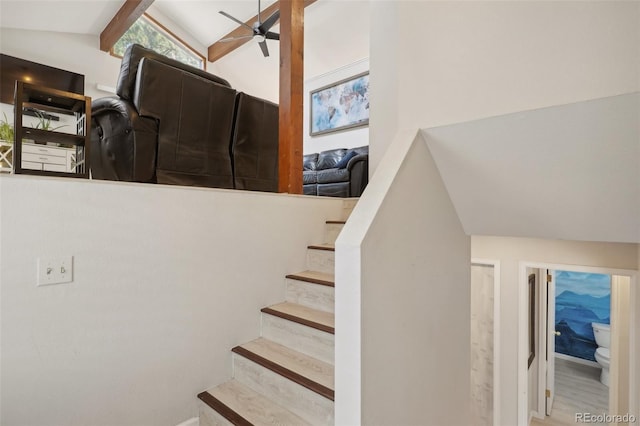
(260, 30)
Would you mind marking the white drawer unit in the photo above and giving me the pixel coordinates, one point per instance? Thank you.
(47, 158)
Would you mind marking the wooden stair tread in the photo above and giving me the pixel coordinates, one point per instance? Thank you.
(302, 369)
(320, 320)
(326, 247)
(314, 277)
(243, 406)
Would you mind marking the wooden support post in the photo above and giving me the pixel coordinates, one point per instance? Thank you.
(291, 95)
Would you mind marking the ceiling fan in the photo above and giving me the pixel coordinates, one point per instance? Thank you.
(260, 30)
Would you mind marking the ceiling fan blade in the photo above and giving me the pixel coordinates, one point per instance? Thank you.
(225, 40)
(272, 36)
(269, 22)
(265, 49)
(235, 20)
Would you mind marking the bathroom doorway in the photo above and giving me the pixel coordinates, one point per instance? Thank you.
(578, 311)
(536, 380)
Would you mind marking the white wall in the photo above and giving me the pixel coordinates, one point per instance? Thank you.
(452, 62)
(510, 252)
(549, 173)
(403, 299)
(384, 56)
(166, 281)
(350, 138)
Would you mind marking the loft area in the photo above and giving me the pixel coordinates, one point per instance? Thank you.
(249, 161)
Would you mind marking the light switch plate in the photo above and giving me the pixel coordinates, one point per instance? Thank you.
(56, 270)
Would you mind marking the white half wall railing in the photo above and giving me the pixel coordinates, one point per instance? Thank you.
(403, 298)
(166, 280)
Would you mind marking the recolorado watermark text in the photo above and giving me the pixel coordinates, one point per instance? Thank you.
(605, 418)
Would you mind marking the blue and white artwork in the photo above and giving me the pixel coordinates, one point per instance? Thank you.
(342, 105)
(581, 299)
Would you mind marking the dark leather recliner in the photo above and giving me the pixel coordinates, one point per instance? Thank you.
(254, 148)
(175, 124)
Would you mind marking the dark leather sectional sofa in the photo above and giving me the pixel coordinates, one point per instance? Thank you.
(174, 124)
(337, 172)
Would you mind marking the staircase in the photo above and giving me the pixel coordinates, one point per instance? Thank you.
(286, 377)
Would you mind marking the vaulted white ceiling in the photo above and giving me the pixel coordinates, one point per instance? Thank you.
(81, 17)
(568, 172)
(200, 18)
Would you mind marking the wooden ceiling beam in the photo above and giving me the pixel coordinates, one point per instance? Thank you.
(219, 49)
(129, 13)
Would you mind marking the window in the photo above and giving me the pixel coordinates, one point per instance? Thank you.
(150, 34)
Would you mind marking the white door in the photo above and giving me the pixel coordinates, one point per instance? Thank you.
(551, 339)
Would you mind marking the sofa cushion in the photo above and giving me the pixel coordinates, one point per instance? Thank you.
(333, 175)
(340, 189)
(329, 159)
(310, 161)
(342, 164)
(310, 189)
(309, 176)
(361, 149)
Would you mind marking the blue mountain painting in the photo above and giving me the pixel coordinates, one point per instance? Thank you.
(580, 300)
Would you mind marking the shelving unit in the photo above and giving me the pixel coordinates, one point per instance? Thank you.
(38, 151)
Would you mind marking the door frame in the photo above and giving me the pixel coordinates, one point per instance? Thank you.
(523, 351)
(496, 334)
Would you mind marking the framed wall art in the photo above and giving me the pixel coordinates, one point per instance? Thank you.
(339, 106)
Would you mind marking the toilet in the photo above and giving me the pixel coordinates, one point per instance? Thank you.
(602, 332)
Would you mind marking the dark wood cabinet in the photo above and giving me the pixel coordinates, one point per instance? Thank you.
(41, 150)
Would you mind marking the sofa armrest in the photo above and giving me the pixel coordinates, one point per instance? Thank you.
(357, 159)
(358, 168)
(123, 144)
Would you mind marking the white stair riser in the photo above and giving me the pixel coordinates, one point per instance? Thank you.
(315, 296)
(307, 404)
(321, 261)
(316, 343)
(331, 232)
(210, 417)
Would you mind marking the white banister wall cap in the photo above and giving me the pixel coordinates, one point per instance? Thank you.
(377, 189)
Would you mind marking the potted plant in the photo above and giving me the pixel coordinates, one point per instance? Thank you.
(6, 143)
(44, 121)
